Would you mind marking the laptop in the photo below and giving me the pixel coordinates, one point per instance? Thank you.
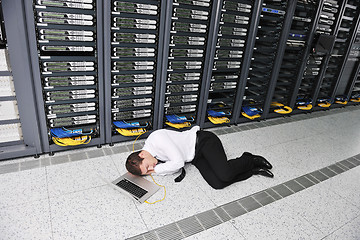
(134, 186)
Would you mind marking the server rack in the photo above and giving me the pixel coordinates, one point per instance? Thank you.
(273, 29)
(142, 60)
(235, 28)
(135, 40)
(185, 49)
(345, 35)
(296, 53)
(327, 26)
(351, 73)
(69, 70)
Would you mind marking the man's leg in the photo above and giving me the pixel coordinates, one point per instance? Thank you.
(211, 150)
(209, 175)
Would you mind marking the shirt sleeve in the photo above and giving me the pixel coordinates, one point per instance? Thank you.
(168, 167)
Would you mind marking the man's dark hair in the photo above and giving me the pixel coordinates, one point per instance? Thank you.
(133, 163)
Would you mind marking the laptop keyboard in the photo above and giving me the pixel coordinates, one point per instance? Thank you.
(132, 188)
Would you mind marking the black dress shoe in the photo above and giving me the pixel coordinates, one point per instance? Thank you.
(263, 172)
(261, 162)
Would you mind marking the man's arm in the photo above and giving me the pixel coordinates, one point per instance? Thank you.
(168, 167)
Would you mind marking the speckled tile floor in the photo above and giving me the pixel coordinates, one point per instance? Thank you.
(63, 197)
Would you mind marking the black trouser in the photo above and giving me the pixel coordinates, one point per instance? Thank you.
(211, 160)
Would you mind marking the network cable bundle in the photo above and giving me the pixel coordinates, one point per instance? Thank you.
(304, 104)
(219, 113)
(281, 108)
(324, 102)
(71, 137)
(343, 100)
(355, 98)
(130, 128)
(251, 112)
(66, 36)
(178, 122)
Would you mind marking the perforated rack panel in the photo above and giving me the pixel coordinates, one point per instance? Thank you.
(66, 37)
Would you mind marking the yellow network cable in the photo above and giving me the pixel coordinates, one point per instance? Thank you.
(151, 176)
(178, 125)
(131, 132)
(250, 117)
(218, 120)
(324, 104)
(282, 108)
(305, 107)
(71, 141)
(159, 186)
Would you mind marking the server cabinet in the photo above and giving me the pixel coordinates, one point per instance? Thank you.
(296, 53)
(67, 44)
(351, 74)
(273, 29)
(235, 31)
(185, 49)
(134, 53)
(345, 35)
(327, 26)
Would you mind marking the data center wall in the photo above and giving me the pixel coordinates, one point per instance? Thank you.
(107, 71)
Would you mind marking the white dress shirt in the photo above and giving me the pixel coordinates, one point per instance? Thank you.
(173, 147)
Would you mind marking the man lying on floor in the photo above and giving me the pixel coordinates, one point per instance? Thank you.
(167, 151)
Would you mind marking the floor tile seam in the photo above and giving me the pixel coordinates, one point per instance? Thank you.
(48, 196)
(51, 197)
(141, 216)
(261, 205)
(308, 221)
(345, 199)
(340, 227)
(233, 223)
(2, 207)
(128, 146)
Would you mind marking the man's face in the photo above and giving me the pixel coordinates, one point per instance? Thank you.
(148, 164)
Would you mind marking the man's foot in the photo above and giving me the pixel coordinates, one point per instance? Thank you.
(263, 172)
(261, 162)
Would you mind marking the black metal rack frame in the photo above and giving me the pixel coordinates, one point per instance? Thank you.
(189, 54)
